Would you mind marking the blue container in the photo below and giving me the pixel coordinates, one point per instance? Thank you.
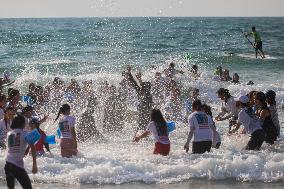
(171, 126)
(33, 136)
(58, 133)
(28, 100)
(50, 139)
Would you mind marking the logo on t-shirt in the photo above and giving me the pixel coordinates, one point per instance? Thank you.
(64, 127)
(202, 121)
(14, 142)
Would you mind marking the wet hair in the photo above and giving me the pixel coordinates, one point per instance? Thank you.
(207, 109)
(253, 28)
(13, 93)
(18, 122)
(270, 97)
(64, 108)
(197, 105)
(9, 108)
(160, 122)
(261, 97)
(225, 92)
(172, 65)
(2, 97)
(32, 85)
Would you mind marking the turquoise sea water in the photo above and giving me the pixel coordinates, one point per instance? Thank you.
(37, 50)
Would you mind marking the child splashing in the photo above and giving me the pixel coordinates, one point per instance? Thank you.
(68, 142)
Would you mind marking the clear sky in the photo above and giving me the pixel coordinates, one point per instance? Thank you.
(110, 8)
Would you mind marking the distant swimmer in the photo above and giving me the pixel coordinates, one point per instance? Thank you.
(257, 42)
(170, 72)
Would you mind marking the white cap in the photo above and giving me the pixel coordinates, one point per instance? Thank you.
(242, 99)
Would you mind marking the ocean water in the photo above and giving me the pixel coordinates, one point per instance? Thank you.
(37, 50)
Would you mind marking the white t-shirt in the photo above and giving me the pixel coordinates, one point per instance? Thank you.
(17, 146)
(202, 125)
(4, 128)
(249, 122)
(161, 139)
(65, 125)
(230, 108)
(1, 113)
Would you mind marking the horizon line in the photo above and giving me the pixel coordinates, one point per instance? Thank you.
(62, 17)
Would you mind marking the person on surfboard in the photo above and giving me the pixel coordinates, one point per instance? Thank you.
(257, 42)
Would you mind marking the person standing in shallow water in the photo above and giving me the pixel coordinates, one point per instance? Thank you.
(251, 124)
(68, 143)
(158, 127)
(145, 101)
(202, 129)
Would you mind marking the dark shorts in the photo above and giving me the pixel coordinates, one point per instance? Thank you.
(201, 147)
(162, 149)
(258, 45)
(256, 140)
(14, 172)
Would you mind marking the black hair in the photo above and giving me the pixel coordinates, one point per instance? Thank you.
(197, 105)
(160, 122)
(9, 108)
(207, 109)
(2, 97)
(64, 108)
(172, 64)
(270, 97)
(261, 97)
(13, 93)
(18, 122)
(253, 28)
(225, 92)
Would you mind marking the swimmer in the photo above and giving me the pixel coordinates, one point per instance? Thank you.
(236, 78)
(170, 72)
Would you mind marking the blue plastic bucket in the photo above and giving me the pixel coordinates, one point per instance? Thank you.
(171, 126)
(58, 133)
(33, 136)
(50, 139)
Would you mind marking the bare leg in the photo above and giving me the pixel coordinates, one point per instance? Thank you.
(263, 56)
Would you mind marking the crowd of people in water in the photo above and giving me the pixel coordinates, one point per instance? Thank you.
(154, 102)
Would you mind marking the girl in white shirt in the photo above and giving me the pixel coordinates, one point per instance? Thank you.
(158, 127)
(68, 141)
(251, 124)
